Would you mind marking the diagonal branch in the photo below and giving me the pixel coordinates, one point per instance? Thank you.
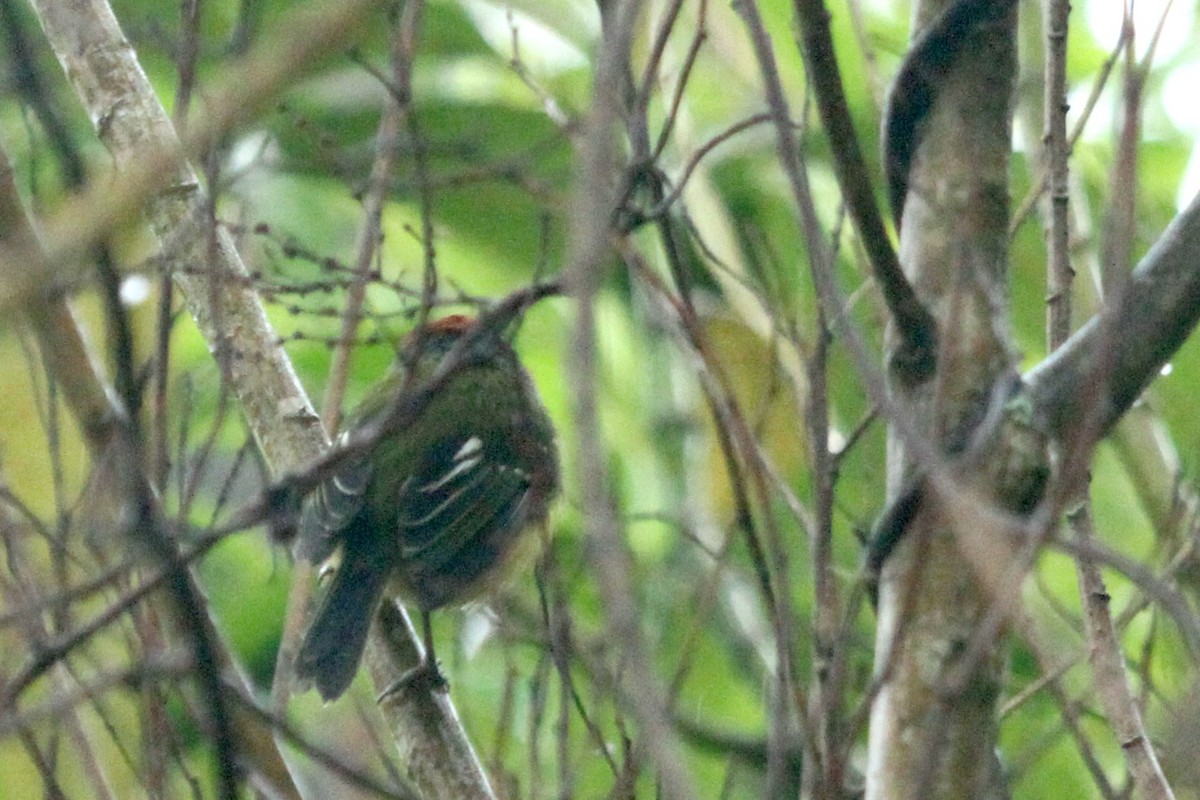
(103, 423)
(1152, 318)
(131, 121)
(916, 358)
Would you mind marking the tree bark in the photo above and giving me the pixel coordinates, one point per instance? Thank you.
(931, 737)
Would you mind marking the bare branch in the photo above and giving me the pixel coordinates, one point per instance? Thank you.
(915, 358)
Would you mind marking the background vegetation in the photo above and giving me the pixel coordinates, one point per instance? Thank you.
(451, 136)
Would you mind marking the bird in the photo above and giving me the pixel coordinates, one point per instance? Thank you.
(437, 512)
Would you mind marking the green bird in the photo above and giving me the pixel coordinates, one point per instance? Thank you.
(438, 512)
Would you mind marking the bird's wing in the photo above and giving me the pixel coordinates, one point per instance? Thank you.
(464, 489)
(332, 506)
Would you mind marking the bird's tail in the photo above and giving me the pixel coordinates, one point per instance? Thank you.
(334, 643)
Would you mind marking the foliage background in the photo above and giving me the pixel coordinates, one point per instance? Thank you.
(498, 91)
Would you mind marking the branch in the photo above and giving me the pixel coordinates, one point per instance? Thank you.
(107, 436)
(916, 358)
(131, 121)
(1108, 672)
(933, 722)
(594, 202)
(918, 82)
(1151, 319)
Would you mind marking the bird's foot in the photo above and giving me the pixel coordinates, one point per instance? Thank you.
(425, 677)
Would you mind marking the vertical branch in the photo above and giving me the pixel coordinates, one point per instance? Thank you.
(158, 466)
(826, 603)
(188, 57)
(410, 23)
(185, 67)
(594, 202)
(1106, 655)
(744, 462)
(767, 550)
(947, 149)
(1117, 248)
(1055, 152)
(1109, 672)
(374, 199)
